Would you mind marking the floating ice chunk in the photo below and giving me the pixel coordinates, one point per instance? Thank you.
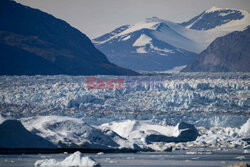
(246, 151)
(46, 162)
(76, 159)
(245, 129)
(241, 157)
(247, 147)
(100, 153)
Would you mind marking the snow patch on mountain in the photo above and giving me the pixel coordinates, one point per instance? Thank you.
(141, 50)
(126, 38)
(142, 40)
(177, 39)
(213, 9)
(161, 50)
(148, 24)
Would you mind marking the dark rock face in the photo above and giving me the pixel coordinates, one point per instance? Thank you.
(186, 132)
(208, 20)
(37, 43)
(230, 53)
(14, 135)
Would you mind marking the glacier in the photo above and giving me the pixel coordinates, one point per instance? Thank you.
(62, 110)
(197, 95)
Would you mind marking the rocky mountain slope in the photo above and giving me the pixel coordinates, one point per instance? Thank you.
(230, 53)
(33, 42)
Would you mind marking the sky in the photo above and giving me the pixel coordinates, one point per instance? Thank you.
(97, 17)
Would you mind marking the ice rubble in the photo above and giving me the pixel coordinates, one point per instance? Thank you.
(76, 159)
(138, 131)
(131, 134)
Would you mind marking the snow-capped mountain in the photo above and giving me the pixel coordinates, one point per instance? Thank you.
(158, 45)
(214, 18)
(152, 45)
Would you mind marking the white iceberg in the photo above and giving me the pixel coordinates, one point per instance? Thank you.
(76, 159)
(61, 129)
(245, 129)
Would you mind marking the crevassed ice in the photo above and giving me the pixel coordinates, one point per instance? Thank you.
(144, 95)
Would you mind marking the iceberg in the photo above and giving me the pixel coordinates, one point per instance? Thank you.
(14, 135)
(75, 159)
(66, 132)
(245, 129)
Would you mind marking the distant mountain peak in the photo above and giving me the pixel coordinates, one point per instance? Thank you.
(213, 9)
(223, 18)
(153, 44)
(148, 24)
(217, 9)
(154, 19)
